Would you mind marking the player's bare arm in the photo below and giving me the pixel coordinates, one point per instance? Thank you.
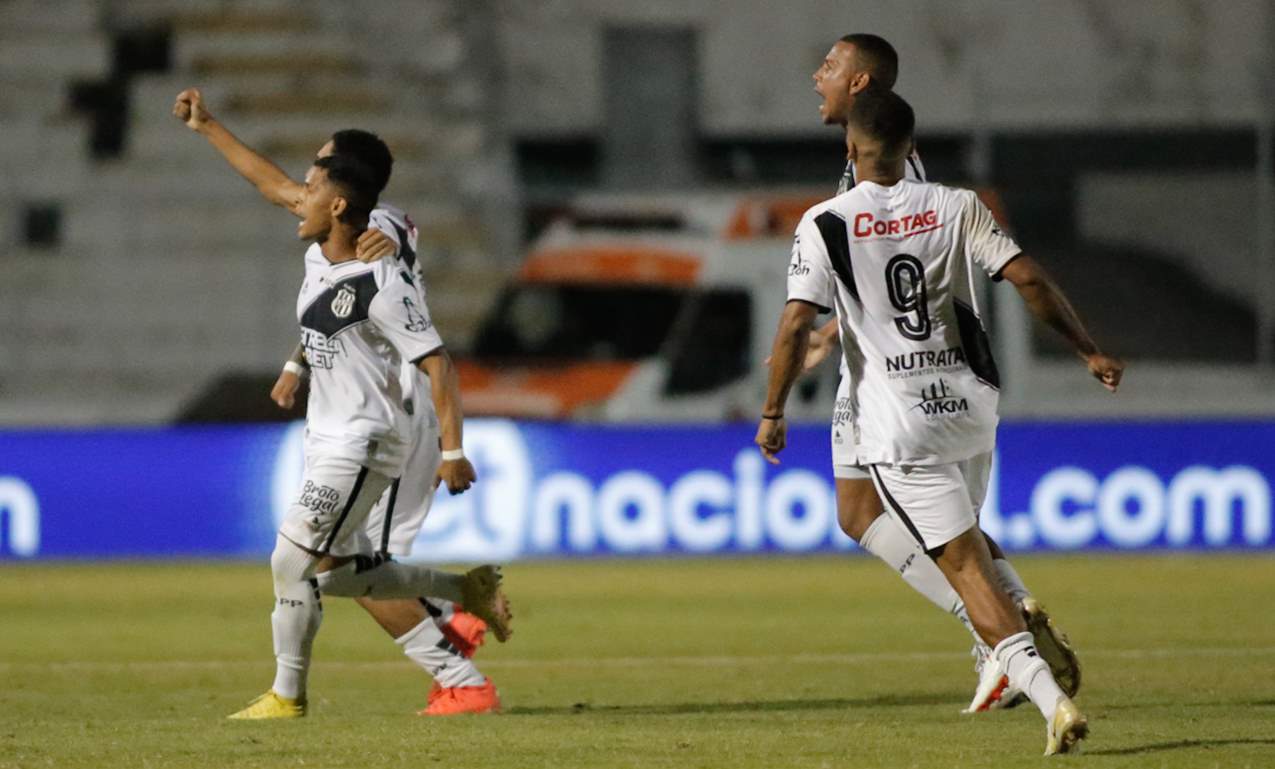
(1047, 302)
(787, 354)
(444, 385)
(289, 382)
(270, 180)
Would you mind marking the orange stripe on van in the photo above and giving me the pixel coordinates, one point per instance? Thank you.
(541, 392)
(611, 264)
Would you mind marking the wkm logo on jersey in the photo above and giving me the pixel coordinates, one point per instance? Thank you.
(343, 304)
(938, 400)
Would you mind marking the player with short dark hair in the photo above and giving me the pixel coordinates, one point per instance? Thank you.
(434, 633)
(896, 261)
(857, 67)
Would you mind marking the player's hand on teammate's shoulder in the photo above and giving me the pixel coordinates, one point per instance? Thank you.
(1106, 369)
(189, 108)
(285, 389)
(772, 437)
(458, 474)
(374, 245)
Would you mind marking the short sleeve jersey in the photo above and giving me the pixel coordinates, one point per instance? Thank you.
(360, 324)
(897, 265)
(398, 226)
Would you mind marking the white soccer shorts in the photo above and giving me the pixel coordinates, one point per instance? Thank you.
(935, 503)
(845, 459)
(329, 513)
(398, 515)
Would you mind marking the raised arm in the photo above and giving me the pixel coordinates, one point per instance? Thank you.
(444, 386)
(1047, 302)
(269, 179)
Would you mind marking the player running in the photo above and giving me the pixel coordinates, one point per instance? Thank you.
(433, 632)
(896, 260)
(855, 63)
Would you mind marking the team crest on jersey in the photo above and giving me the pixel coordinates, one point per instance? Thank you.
(343, 304)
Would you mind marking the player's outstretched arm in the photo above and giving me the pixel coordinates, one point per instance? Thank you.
(269, 179)
(444, 385)
(1047, 302)
(787, 354)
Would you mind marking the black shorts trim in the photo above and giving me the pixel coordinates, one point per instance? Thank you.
(898, 509)
(349, 505)
(389, 517)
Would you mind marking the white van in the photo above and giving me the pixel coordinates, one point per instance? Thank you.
(645, 308)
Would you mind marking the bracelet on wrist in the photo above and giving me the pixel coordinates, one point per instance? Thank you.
(296, 368)
(772, 416)
(450, 455)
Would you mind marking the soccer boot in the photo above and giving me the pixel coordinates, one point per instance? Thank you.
(482, 596)
(271, 705)
(457, 700)
(465, 631)
(994, 690)
(1053, 646)
(1067, 728)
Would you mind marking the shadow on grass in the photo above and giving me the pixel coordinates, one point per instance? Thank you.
(770, 706)
(1160, 747)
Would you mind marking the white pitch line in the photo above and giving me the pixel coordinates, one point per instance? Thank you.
(592, 663)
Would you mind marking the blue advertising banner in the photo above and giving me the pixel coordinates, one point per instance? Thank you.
(552, 490)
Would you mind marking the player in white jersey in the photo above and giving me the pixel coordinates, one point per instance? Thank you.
(896, 260)
(855, 63)
(432, 632)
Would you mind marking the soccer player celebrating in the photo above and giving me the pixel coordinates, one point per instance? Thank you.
(434, 633)
(854, 64)
(441, 652)
(896, 260)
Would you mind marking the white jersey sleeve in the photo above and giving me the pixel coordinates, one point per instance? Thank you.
(810, 275)
(986, 244)
(398, 310)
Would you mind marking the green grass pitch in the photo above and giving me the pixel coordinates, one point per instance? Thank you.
(814, 662)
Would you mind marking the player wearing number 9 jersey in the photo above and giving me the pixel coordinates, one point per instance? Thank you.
(896, 260)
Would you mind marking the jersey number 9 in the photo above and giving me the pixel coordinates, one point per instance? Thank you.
(905, 283)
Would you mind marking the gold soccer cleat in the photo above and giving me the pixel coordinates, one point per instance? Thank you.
(482, 596)
(1053, 646)
(271, 705)
(1067, 729)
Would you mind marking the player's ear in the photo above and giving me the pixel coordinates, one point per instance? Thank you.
(859, 81)
(339, 204)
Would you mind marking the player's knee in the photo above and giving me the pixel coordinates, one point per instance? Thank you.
(289, 563)
(857, 507)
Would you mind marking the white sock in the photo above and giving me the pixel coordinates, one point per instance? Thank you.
(445, 611)
(887, 540)
(1010, 582)
(1018, 658)
(426, 646)
(365, 577)
(295, 620)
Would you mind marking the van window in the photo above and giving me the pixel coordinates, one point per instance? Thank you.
(712, 349)
(550, 322)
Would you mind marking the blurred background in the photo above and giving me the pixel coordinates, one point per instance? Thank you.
(605, 194)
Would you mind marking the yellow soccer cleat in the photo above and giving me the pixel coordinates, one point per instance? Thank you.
(271, 705)
(483, 597)
(1067, 729)
(1053, 646)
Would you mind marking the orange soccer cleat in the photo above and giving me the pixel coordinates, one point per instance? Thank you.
(465, 631)
(457, 700)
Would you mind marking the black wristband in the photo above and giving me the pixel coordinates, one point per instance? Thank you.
(772, 416)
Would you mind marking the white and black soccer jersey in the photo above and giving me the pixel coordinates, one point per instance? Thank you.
(896, 263)
(396, 224)
(359, 324)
